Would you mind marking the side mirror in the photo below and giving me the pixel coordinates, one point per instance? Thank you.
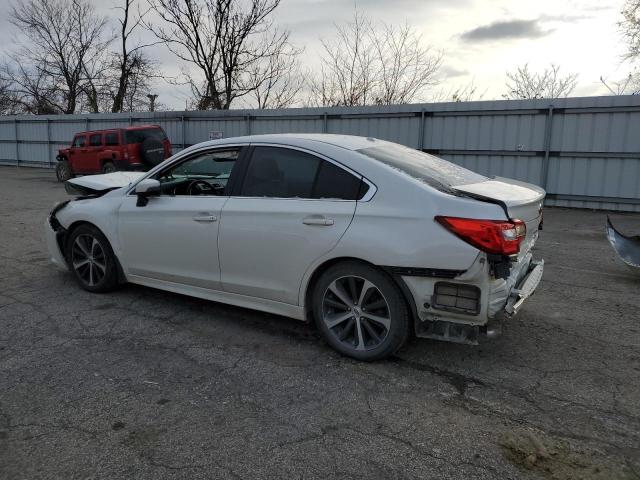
(148, 187)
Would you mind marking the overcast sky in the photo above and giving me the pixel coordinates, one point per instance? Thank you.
(481, 39)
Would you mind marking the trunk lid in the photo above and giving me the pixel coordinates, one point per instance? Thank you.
(101, 184)
(519, 200)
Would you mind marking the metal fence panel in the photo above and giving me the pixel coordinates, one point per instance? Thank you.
(584, 151)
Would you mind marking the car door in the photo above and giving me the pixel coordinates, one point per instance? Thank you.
(77, 153)
(173, 238)
(95, 152)
(290, 208)
(111, 147)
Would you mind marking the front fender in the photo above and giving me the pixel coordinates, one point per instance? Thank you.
(101, 212)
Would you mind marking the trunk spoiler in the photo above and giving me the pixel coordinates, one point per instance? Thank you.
(627, 248)
(511, 195)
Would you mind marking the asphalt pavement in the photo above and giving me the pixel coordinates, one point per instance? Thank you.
(146, 384)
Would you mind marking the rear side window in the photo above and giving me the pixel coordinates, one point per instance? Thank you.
(280, 173)
(111, 138)
(335, 182)
(95, 140)
(140, 135)
(287, 173)
(434, 171)
(79, 141)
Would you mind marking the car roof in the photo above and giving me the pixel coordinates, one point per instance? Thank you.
(349, 142)
(130, 127)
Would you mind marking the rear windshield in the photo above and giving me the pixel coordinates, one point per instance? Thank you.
(139, 136)
(432, 170)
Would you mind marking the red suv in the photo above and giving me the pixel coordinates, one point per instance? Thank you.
(104, 151)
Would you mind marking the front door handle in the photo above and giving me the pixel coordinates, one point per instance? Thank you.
(317, 220)
(205, 217)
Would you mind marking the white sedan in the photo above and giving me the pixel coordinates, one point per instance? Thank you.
(370, 239)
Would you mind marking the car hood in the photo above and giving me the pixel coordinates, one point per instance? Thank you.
(100, 184)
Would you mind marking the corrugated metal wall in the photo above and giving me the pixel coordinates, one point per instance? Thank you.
(584, 151)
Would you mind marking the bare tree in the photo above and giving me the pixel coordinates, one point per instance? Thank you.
(225, 40)
(407, 67)
(277, 81)
(629, 85)
(550, 83)
(462, 93)
(28, 89)
(630, 28)
(133, 69)
(373, 64)
(7, 99)
(62, 35)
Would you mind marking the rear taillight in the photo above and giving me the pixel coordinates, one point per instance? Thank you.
(498, 237)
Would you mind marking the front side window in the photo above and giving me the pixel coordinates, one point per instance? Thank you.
(79, 141)
(432, 170)
(95, 140)
(286, 173)
(205, 174)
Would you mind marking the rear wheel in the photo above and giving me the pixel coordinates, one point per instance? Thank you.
(63, 171)
(108, 167)
(360, 311)
(91, 259)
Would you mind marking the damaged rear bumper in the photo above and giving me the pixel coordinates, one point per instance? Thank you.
(525, 288)
(472, 304)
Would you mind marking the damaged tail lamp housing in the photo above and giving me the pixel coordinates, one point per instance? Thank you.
(496, 237)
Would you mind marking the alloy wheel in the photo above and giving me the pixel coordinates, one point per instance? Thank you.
(88, 259)
(356, 312)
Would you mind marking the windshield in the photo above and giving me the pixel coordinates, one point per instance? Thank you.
(434, 171)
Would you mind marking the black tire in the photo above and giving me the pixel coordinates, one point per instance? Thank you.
(63, 171)
(99, 272)
(359, 336)
(151, 152)
(108, 167)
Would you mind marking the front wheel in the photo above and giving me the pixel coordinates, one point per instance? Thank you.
(360, 311)
(108, 167)
(91, 259)
(63, 171)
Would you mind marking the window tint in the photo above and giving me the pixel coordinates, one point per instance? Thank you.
(111, 138)
(79, 141)
(95, 140)
(205, 174)
(280, 173)
(432, 170)
(140, 135)
(335, 182)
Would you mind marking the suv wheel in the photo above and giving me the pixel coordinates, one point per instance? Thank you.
(108, 167)
(360, 311)
(63, 171)
(91, 259)
(151, 152)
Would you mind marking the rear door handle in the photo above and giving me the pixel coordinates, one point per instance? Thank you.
(205, 217)
(317, 220)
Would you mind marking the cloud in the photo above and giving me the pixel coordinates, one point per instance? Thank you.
(504, 30)
(447, 71)
(568, 18)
